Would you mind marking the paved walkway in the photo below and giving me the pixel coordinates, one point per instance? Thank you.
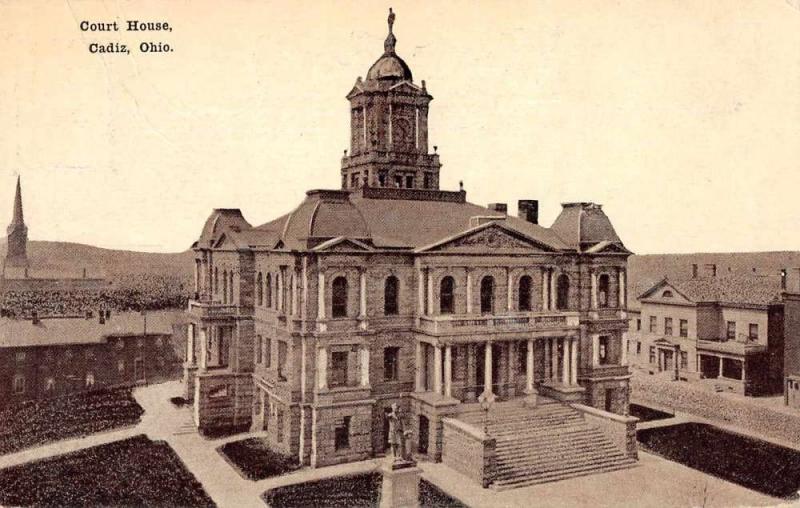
(656, 482)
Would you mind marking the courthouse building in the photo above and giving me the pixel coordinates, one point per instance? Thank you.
(391, 290)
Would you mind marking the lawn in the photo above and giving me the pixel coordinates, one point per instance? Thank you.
(758, 465)
(35, 423)
(362, 490)
(131, 472)
(253, 459)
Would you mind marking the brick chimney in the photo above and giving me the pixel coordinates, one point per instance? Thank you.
(528, 210)
(498, 207)
(35, 317)
(695, 271)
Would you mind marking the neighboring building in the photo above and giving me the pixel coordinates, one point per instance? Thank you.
(727, 332)
(50, 357)
(791, 358)
(391, 290)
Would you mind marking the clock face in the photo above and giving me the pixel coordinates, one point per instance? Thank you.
(402, 134)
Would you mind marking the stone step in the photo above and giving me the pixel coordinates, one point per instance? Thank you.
(554, 461)
(505, 471)
(543, 433)
(547, 448)
(563, 475)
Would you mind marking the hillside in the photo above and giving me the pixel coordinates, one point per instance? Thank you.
(70, 259)
(644, 271)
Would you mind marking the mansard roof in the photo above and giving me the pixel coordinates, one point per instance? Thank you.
(586, 228)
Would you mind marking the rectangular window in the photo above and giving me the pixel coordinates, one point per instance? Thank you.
(20, 356)
(338, 368)
(638, 325)
(684, 360)
(753, 335)
(268, 353)
(391, 356)
(684, 330)
(279, 423)
(638, 348)
(342, 434)
(652, 354)
(259, 349)
(668, 326)
(282, 357)
(603, 353)
(731, 333)
(652, 324)
(19, 384)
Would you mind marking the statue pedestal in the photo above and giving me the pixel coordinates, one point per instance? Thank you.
(400, 484)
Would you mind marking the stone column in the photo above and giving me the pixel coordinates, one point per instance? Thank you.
(197, 276)
(362, 293)
(487, 370)
(280, 292)
(623, 357)
(448, 371)
(595, 350)
(295, 295)
(190, 360)
(469, 291)
(322, 368)
(364, 366)
(545, 290)
(573, 380)
(565, 360)
(594, 289)
(720, 366)
(437, 369)
(529, 374)
(419, 360)
(203, 348)
(553, 359)
(321, 297)
(430, 292)
(622, 290)
(553, 289)
(421, 290)
(510, 302)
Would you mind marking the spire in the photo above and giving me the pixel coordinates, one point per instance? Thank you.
(391, 40)
(18, 217)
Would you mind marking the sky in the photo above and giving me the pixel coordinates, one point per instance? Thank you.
(680, 117)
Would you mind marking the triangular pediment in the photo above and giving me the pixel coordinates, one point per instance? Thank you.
(665, 293)
(607, 248)
(491, 237)
(342, 244)
(226, 241)
(405, 87)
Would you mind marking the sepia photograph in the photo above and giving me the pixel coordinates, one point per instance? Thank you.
(318, 253)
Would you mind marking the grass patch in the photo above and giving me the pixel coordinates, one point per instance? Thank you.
(758, 465)
(253, 459)
(361, 490)
(33, 423)
(131, 472)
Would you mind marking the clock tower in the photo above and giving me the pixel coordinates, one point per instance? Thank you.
(389, 128)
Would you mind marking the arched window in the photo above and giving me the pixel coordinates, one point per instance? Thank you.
(339, 297)
(525, 293)
(224, 286)
(446, 300)
(487, 295)
(390, 294)
(268, 290)
(89, 380)
(260, 290)
(602, 290)
(667, 294)
(562, 296)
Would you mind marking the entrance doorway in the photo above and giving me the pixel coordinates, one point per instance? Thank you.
(422, 445)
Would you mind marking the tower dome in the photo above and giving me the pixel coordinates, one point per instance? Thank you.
(389, 65)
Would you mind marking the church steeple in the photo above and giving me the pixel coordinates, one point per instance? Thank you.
(389, 127)
(17, 253)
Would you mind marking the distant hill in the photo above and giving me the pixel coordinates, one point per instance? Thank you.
(644, 271)
(69, 259)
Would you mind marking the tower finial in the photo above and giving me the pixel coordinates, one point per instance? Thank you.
(17, 217)
(388, 45)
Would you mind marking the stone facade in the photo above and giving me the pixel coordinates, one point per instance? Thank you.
(393, 291)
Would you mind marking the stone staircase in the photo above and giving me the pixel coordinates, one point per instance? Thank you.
(547, 443)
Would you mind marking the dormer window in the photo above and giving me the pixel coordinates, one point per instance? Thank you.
(667, 294)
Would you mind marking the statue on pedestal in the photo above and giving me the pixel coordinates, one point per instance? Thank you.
(399, 437)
